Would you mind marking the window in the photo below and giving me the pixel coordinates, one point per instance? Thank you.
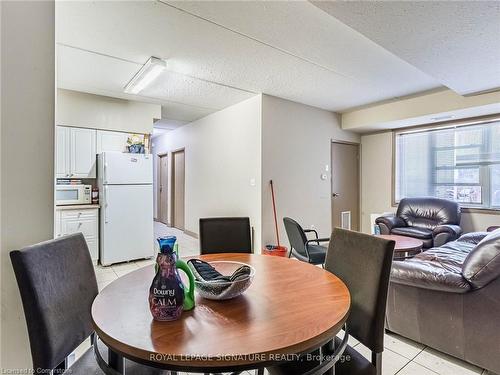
(460, 163)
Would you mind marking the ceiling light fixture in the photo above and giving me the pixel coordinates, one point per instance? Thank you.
(147, 74)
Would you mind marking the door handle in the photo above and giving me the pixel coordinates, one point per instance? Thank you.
(105, 206)
(335, 195)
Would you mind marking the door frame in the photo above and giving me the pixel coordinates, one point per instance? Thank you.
(358, 144)
(158, 191)
(172, 187)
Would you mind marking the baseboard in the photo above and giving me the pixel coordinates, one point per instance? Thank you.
(189, 233)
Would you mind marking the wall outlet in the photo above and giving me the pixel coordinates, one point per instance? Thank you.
(252, 182)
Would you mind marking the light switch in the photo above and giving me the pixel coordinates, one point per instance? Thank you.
(252, 182)
(327, 167)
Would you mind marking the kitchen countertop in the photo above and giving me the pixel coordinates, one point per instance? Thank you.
(78, 207)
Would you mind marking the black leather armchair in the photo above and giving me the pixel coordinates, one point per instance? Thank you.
(434, 221)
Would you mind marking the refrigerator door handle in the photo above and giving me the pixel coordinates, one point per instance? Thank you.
(104, 177)
(105, 205)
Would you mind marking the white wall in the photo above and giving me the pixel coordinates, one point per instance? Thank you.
(376, 184)
(222, 155)
(296, 144)
(27, 154)
(102, 112)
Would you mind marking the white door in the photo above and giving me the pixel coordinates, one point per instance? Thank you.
(111, 141)
(83, 153)
(126, 223)
(121, 168)
(62, 152)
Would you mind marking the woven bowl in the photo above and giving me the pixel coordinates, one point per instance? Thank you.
(225, 290)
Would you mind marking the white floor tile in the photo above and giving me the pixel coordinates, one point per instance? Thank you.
(401, 345)
(413, 368)
(444, 364)
(391, 362)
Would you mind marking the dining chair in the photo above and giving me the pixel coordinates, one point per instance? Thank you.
(303, 248)
(225, 235)
(363, 262)
(57, 283)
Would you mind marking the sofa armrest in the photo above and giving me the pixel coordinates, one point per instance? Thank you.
(387, 223)
(445, 233)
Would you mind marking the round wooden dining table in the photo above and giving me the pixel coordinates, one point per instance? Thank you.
(292, 307)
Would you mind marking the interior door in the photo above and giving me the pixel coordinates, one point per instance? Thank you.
(178, 187)
(163, 189)
(345, 185)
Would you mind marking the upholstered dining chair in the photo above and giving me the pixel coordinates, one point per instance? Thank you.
(302, 248)
(363, 263)
(225, 235)
(57, 283)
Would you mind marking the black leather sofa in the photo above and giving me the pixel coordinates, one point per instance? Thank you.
(434, 221)
(449, 299)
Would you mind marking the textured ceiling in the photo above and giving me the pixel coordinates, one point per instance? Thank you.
(220, 53)
(456, 42)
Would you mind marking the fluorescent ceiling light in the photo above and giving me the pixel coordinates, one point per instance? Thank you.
(148, 73)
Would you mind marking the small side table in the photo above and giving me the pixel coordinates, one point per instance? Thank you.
(406, 247)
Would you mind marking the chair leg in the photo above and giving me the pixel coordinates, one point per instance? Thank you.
(61, 367)
(377, 362)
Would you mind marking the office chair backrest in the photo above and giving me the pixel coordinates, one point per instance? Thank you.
(296, 236)
(57, 283)
(363, 262)
(225, 235)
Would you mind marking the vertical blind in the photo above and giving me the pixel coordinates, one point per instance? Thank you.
(459, 163)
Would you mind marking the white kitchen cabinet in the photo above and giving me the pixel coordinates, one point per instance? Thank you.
(83, 153)
(84, 220)
(111, 141)
(62, 152)
(75, 152)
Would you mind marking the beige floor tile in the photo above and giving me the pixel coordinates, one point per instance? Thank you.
(444, 364)
(108, 276)
(401, 345)
(413, 368)
(391, 361)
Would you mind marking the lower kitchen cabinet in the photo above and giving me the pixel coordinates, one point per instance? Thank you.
(82, 219)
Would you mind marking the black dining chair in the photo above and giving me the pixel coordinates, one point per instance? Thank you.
(225, 235)
(363, 262)
(57, 283)
(302, 248)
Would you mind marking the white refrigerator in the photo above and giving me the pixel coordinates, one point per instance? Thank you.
(126, 197)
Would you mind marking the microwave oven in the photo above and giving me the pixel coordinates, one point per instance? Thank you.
(73, 194)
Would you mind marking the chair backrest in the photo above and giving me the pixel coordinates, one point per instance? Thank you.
(363, 262)
(57, 283)
(296, 236)
(428, 212)
(225, 235)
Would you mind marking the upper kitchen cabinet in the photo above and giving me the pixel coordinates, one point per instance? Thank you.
(62, 152)
(111, 141)
(75, 152)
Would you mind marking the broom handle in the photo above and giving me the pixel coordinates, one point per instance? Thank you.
(274, 210)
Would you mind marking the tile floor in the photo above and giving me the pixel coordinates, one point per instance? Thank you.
(401, 356)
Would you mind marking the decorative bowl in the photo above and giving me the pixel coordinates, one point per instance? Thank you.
(225, 290)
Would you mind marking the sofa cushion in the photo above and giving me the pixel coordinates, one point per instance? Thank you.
(415, 232)
(482, 265)
(439, 268)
